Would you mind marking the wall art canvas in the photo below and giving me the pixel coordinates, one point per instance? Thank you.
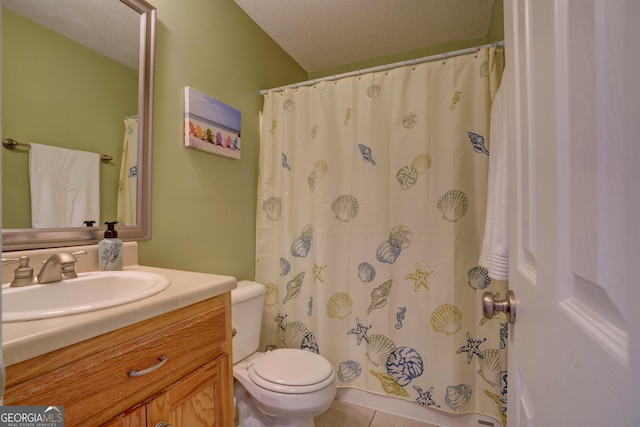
(210, 125)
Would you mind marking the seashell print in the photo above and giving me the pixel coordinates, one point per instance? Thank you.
(285, 164)
(288, 105)
(312, 181)
(310, 343)
(388, 251)
(421, 163)
(401, 234)
(274, 126)
(348, 371)
(477, 142)
(478, 277)
(446, 318)
(285, 266)
(301, 246)
(310, 304)
(366, 272)
(345, 207)
(294, 333)
(389, 385)
(320, 168)
(407, 177)
(373, 91)
(271, 294)
(339, 305)
(409, 120)
(490, 369)
(379, 296)
(307, 231)
(270, 347)
(273, 208)
(314, 131)
(366, 154)
(457, 396)
(404, 364)
(379, 347)
(293, 287)
(453, 205)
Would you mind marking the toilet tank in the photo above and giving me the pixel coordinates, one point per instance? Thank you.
(247, 302)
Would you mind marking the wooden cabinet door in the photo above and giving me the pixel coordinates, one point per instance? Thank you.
(137, 417)
(201, 399)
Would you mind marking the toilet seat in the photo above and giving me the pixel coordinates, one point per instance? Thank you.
(292, 371)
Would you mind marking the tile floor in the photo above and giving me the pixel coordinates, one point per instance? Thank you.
(342, 414)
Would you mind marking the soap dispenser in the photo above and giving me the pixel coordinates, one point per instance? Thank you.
(110, 249)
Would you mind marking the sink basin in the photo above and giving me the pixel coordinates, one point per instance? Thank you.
(88, 292)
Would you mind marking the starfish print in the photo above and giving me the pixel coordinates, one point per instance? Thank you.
(425, 398)
(317, 272)
(471, 348)
(419, 277)
(360, 331)
(280, 320)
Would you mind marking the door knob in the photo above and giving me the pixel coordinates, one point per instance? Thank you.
(508, 306)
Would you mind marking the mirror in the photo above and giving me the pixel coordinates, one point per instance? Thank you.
(144, 17)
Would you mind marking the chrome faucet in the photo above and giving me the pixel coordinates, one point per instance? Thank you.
(59, 266)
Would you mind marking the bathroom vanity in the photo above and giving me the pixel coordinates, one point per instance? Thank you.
(179, 340)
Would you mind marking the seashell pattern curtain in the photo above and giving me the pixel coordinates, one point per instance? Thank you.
(371, 206)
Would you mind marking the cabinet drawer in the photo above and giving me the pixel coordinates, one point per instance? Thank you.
(98, 387)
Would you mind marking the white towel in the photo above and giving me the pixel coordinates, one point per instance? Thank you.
(494, 255)
(65, 187)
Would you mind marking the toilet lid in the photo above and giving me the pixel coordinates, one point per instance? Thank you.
(293, 371)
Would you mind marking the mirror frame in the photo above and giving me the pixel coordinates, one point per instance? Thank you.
(30, 238)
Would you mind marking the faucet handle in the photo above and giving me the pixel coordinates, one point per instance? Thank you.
(23, 275)
(68, 269)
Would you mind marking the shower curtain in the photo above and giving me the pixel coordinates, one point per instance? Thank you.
(128, 183)
(371, 205)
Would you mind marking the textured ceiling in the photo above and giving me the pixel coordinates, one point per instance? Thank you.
(323, 34)
(318, 34)
(108, 27)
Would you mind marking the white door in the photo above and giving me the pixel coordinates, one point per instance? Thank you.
(573, 71)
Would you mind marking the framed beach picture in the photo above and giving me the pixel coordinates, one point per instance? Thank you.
(210, 125)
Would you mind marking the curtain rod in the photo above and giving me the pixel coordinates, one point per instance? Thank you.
(438, 56)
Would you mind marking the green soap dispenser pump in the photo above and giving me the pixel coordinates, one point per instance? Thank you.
(110, 249)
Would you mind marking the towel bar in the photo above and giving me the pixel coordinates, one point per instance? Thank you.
(11, 144)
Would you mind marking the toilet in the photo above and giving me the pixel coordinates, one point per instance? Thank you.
(283, 387)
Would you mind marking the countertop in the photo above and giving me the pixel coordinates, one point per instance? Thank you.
(24, 340)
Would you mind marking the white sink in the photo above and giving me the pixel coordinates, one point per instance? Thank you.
(88, 292)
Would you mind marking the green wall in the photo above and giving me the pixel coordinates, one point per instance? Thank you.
(204, 205)
(48, 98)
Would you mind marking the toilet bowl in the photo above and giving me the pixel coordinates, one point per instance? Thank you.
(282, 387)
